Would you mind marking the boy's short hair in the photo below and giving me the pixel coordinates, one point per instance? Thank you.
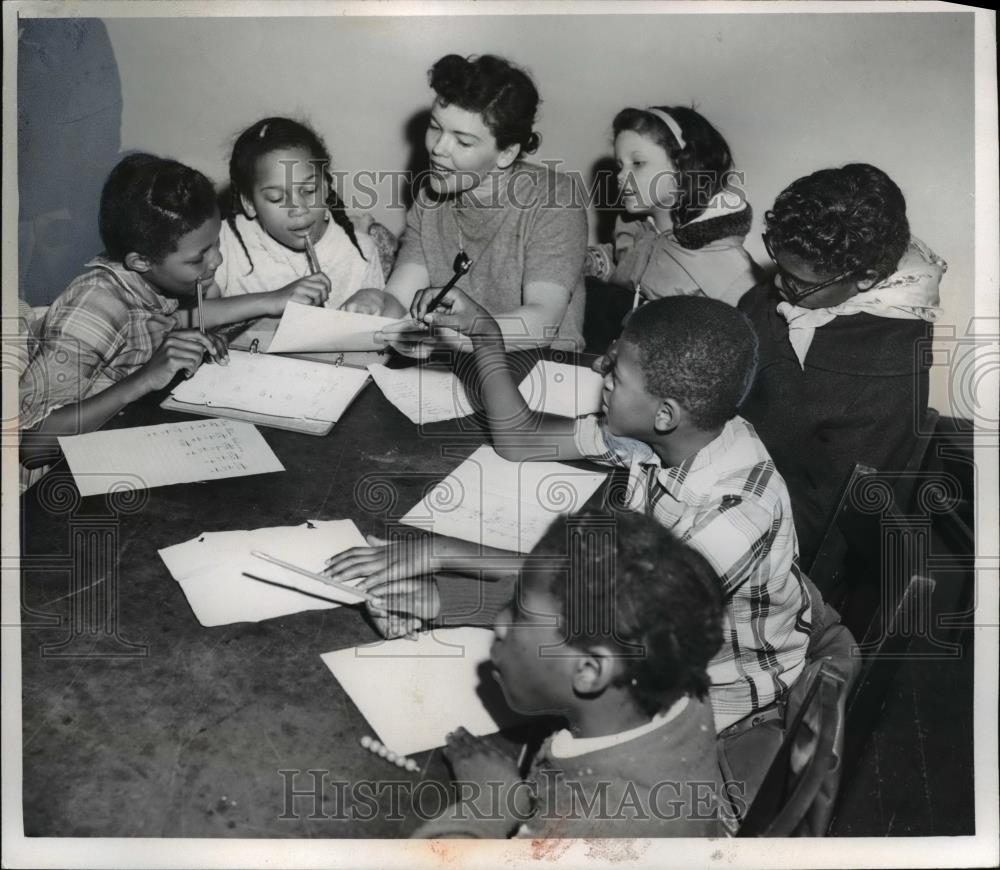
(699, 351)
(149, 202)
(622, 579)
(850, 219)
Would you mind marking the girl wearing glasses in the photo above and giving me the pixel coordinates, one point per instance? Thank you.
(514, 232)
(841, 379)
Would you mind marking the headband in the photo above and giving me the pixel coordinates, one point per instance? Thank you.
(672, 125)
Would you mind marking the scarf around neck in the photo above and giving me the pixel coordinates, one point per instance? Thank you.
(909, 293)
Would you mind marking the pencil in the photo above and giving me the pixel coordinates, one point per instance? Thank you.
(201, 307)
(459, 272)
(311, 256)
(343, 587)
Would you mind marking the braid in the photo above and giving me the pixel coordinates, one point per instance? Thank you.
(231, 220)
(231, 209)
(339, 213)
(264, 137)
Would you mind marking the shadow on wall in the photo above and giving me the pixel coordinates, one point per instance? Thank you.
(69, 111)
(420, 160)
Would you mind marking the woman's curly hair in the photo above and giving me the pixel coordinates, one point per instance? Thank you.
(493, 87)
(851, 219)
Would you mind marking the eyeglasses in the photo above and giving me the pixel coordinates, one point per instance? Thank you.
(791, 288)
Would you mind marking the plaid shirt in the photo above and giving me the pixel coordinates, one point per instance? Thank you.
(97, 332)
(730, 504)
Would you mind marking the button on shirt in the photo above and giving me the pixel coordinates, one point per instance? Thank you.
(730, 504)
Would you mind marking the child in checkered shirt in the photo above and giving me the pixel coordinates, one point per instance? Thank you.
(128, 325)
(672, 386)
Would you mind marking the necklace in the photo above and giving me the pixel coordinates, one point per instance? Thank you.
(462, 261)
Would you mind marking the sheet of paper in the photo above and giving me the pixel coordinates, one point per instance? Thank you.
(425, 394)
(562, 389)
(274, 385)
(224, 583)
(414, 692)
(503, 504)
(308, 328)
(148, 456)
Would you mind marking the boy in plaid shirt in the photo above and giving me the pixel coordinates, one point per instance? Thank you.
(673, 384)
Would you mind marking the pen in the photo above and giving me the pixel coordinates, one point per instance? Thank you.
(461, 267)
(311, 256)
(326, 581)
(638, 296)
(201, 308)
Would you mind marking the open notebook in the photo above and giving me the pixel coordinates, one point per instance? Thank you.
(271, 391)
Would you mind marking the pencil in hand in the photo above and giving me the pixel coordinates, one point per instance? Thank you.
(311, 257)
(460, 269)
(201, 307)
(343, 588)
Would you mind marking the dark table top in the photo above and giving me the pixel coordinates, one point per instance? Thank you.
(137, 721)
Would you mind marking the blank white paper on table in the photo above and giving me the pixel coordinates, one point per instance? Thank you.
(509, 505)
(310, 328)
(146, 456)
(425, 394)
(413, 692)
(210, 569)
(562, 389)
(274, 385)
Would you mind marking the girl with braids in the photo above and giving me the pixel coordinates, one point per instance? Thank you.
(522, 226)
(282, 192)
(675, 173)
(841, 378)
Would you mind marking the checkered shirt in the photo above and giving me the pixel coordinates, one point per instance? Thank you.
(729, 503)
(97, 332)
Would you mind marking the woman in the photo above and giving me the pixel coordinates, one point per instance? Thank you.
(521, 225)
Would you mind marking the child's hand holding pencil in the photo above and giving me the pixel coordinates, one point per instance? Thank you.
(181, 350)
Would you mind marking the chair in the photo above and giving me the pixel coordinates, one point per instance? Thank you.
(797, 794)
(830, 724)
(883, 648)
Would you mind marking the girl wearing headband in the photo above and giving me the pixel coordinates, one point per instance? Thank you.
(687, 216)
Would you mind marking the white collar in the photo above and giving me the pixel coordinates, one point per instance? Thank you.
(565, 745)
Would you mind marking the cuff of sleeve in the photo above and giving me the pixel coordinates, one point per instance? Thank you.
(471, 601)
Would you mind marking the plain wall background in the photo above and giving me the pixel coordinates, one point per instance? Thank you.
(792, 93)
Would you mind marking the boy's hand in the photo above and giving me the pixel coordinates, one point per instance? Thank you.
(408, 337)
(401, 608)
(368, 300)
(311, 290)
(456, 311)
(380, 562)
(478, 759)
(184, 350)
(395, 574)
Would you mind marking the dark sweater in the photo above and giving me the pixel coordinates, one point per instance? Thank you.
(860, 398)
(663, 783)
